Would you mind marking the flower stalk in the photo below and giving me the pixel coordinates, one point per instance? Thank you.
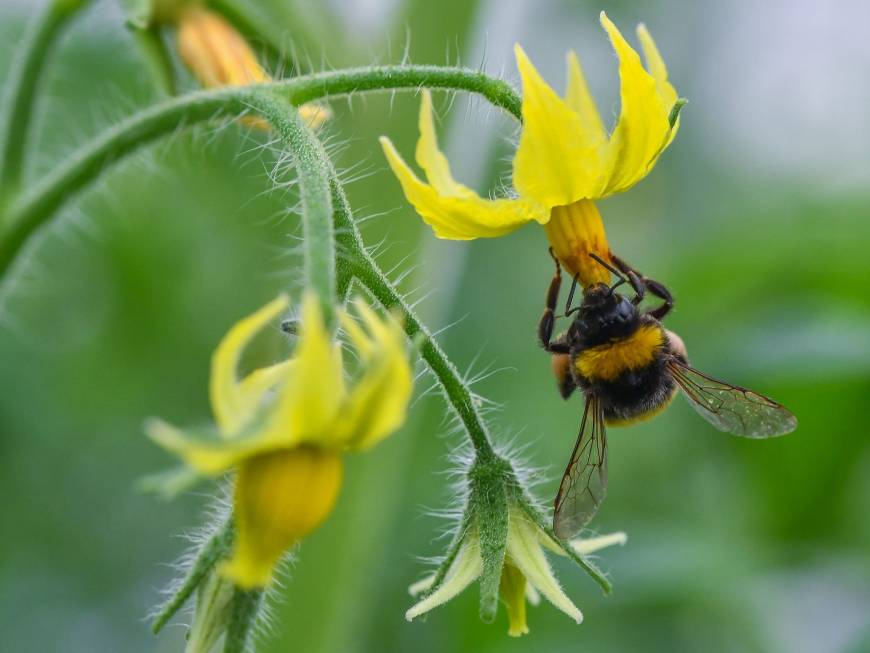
(24, 78)
(30, 212)
(314, 191)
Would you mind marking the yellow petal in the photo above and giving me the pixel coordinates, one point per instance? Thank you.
(314, 115)
(231, 408)
(360, 340)
(279, 498)
(432, 159)
(585, 546)
(576, 231)
(309, 400)
(580, 100)
(512, 590)
(422, 585)
(466, 568)
(525, 552)
(257, 386)
(558, 160)
(656, 67)
(209, 457)
(378, 403)
(642, 130)
(462, 217)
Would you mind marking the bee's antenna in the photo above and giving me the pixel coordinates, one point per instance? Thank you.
(612, 269)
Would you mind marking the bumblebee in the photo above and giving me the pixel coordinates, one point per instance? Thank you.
(629, 368)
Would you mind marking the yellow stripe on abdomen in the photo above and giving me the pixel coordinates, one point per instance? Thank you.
(606, 362)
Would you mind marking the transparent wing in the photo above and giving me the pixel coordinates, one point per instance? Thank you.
(584, 484)
(731, 408)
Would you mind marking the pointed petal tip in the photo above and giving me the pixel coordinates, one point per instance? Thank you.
(387, 143)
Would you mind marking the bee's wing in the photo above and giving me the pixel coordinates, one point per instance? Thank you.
(731, 408)
(585, 481)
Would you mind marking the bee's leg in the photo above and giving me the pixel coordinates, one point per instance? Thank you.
(654, 287)
(548, 320)
(657, 289)
(561, 370)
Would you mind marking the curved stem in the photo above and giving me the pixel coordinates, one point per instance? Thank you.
(38, 205)
(314, 191)
(23, 81)
(368, 272)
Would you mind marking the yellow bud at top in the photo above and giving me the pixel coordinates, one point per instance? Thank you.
(214, 51)
(218, 55)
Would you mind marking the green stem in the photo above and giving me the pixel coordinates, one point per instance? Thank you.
(245, 606)
(214, 550)
(39, 204)
(367, 271)
(314, 191)
(21, 88)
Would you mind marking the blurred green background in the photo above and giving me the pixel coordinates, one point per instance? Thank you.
(757, 218)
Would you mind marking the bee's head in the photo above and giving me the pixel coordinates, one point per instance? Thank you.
(605, 314)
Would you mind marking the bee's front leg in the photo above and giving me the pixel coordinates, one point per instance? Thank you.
(654, 287)
(548, 320)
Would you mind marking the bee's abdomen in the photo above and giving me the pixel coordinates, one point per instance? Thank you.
(629, 375)
(636, 394)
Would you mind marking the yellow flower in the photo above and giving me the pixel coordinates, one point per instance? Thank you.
(284, 427)
(564, 161)
(218, 55)
(525, 573)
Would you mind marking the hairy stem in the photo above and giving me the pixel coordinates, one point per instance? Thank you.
(214, 550)
(23, 81)
(366, 270)
(244, 607)
(314, 191)
(38, 205)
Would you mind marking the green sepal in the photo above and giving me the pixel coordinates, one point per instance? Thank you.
(489, 504)
(156, 57)
(168, 484)
(139, 13)
(213, 551)
(211, 615)
(675, 111)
